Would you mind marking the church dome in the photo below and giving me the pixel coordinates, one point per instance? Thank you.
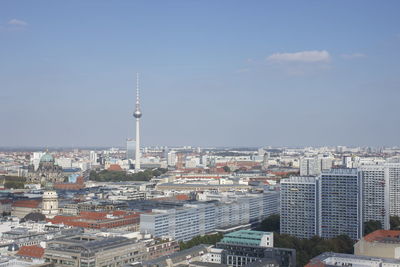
(47, 158)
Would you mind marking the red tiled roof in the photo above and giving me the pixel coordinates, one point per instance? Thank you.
(26, 203)
(31, 251)
(115, 167)
(5, 201)
(381, 234)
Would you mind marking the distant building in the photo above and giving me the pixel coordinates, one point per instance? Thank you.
(47, 171)
(310, 166)
(130, 148)
(341, 203)
(299, 206)
(93, 158)
(313, 166)
(78, 184)
(172, 158)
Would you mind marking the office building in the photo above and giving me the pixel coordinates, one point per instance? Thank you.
(93, 251)
(244, 247)
(340, 203)
(192, 220)
(299, 206)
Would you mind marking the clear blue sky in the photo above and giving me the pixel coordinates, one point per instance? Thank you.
(213, 73)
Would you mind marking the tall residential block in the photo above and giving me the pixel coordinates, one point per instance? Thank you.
(375, 191)
(299, 206)
(341, 203)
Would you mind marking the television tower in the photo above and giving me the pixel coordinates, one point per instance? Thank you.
(137, 114)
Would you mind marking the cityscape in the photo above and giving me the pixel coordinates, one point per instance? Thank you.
(153, 134)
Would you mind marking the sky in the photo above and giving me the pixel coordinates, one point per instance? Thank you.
(212, 73)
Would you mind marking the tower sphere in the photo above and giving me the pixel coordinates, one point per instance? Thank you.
(137, 114)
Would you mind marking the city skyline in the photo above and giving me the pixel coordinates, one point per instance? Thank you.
(215, 73)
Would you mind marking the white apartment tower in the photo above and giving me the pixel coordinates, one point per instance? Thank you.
(375, 180)
(299, 206)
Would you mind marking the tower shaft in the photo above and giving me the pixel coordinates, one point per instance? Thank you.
(137, 151)
(137, 114)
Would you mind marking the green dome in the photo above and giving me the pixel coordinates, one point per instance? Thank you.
(47, 158)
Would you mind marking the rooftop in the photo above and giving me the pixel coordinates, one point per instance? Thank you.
(332, 259)
(31, 251)
(245, 237)
(383, 236)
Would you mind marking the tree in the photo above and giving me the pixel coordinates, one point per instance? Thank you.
(197, 240)
(371, 226)
(394, 222)
(270, 224)
(307, 249)
(226, 169)
(14, 184)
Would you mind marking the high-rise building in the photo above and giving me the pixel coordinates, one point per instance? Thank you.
(137, 114)
(313, 166)
(310, 166)
(393, 171)
(299, 206)
(130, 148)
(171, 158)
(375, 194)
(341, 203)
(93, 157)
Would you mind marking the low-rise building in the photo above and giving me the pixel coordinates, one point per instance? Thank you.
(380, 243)
(244, 247)
(339, 259)
(190, 220)
(21, 208)
(94, 251)
(100, 220)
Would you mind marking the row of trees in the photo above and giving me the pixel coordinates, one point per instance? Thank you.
(207, 239)
(13, 182)
(121, 176)
(306, 249)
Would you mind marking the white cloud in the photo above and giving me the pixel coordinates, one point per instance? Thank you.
(303, 56)
(17, 22)
(353, 56)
